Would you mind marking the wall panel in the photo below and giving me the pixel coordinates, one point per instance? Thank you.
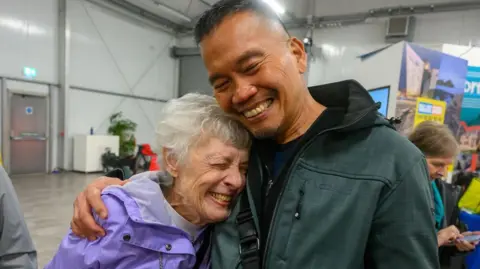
(28, 34)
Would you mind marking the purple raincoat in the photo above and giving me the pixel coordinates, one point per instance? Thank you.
(137, 235)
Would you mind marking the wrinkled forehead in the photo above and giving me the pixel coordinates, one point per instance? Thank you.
(213, 147)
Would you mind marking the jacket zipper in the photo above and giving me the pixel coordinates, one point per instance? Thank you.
(298, 208)
(270, 181)
(161, 260)
(297, 154)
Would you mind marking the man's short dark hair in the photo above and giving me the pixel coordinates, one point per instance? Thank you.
(224, 8)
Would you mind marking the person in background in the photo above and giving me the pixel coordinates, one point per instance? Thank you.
(162, 219)
(16, 246)
(440, 147)
(330, 183)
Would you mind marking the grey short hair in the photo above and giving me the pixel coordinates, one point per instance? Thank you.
(186, 120)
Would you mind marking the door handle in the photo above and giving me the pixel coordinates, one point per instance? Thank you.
(21, 138)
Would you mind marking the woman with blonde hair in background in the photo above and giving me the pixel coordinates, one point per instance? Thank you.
(440, 148)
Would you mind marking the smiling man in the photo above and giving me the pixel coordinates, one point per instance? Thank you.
(330, 183)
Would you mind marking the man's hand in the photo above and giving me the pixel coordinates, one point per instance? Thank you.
(83, 224)
(465, 246)
(445, 236)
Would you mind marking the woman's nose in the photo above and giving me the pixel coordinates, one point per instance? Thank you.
(234, 181)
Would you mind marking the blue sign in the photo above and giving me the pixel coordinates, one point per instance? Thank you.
(425, 108)
(471, 99)
(29, 110)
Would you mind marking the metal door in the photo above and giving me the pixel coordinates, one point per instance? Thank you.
(28, 134)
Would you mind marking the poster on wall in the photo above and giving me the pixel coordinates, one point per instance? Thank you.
(433, 77)
(470, 113)
(471, 99)
(429, 110)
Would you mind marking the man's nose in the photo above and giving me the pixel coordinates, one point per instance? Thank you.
(243, 93)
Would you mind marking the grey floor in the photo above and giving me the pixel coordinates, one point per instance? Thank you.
(47, 202)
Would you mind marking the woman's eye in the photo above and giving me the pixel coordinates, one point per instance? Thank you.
(221, 166)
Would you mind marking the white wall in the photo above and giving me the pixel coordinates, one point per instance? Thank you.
(28, 34)
(29, 37)
(107, 51)
(469, 53)
(382, 69)
(113, 53)
(341, 46)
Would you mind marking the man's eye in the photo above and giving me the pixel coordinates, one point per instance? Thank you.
(243, 171)
(250, 69)
(220, 86)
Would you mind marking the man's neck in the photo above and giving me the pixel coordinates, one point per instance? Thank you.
(308, 113)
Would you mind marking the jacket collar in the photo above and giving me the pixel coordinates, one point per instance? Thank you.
(360, 109)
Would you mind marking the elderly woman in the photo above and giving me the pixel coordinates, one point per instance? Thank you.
(440, 147)
(165, 222)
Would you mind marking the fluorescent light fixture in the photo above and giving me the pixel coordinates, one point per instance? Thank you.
(275, 6)
(22, 26)
(172, 11)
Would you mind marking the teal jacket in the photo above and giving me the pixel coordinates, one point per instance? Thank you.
(361, 189)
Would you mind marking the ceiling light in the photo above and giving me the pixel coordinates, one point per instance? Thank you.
(275, 6)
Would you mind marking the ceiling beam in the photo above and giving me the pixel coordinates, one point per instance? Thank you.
(170, 26)
(205, 3)
(355, 18)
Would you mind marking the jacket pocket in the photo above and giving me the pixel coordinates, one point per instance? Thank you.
(296, 216)
(314, 216)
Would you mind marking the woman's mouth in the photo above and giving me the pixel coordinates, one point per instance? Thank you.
(221, 198)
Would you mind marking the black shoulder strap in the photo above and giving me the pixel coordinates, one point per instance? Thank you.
(202, 252)
(249, 242)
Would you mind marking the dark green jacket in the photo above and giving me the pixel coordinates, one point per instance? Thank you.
(361, 189)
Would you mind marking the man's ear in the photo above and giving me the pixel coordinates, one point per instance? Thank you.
(170, 161)
(298, 50)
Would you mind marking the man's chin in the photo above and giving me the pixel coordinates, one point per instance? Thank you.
(264, 133)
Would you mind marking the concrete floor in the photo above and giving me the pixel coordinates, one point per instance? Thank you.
(47, 203)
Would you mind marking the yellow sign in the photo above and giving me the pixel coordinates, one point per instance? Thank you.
(429, 110)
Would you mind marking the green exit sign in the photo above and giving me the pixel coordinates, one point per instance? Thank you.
(29, 72)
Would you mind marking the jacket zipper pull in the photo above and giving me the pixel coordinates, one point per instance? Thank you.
(269, 186)
(270, 180)
(300, 202)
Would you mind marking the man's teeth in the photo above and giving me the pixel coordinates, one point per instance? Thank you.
(259, 109)
(222, 197)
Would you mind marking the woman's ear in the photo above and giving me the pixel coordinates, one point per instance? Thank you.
(171, 163)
